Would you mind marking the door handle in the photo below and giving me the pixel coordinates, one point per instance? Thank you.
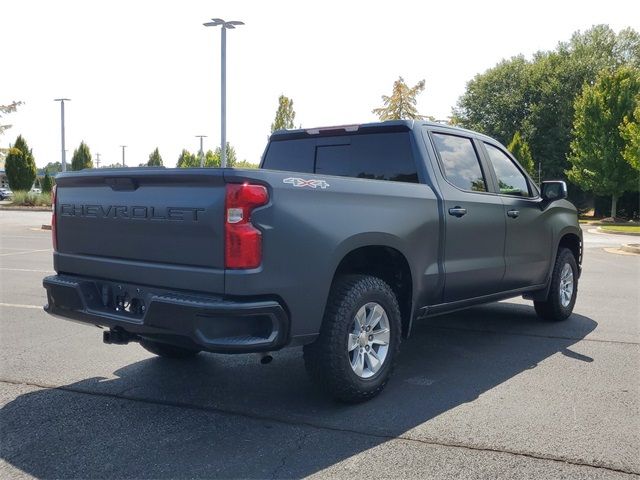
(513, 213)
(457, 211)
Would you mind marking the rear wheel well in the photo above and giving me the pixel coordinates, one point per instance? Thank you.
(388, 264)
(573, 243)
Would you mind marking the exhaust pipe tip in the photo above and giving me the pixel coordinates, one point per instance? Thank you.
(266, 358)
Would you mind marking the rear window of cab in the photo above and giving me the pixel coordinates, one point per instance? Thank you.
(376, 156)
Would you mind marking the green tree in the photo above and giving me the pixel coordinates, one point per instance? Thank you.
(155, 160)
(495, 102)
(245, 164)
(47, 183)
(402, 102)
(597, 162)
(285, 115)
(20, 166)
(520, 149)
(231, 155)
(537, 96)
(187, 160)
(52, 168)
(81, 158)
(630, 131)
(211, 159)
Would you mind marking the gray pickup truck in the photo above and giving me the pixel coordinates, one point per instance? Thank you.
(341, 239)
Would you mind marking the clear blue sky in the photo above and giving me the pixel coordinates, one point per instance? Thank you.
(146, 74)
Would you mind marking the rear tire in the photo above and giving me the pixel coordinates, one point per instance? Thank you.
(563, 291)
(167, 351)
(359, 339)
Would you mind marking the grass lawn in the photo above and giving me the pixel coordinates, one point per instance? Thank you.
(621, 228)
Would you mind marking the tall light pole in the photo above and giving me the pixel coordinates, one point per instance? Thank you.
(64, 155)
(201, 151)
(223, 82)
(123, 147)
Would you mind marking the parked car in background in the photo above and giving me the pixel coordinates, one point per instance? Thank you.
(5, 194)
(36, 190)
(342, 238)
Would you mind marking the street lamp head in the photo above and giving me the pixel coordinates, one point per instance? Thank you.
(218, 21)
(61, 99)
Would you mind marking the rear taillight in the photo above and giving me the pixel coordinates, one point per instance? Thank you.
(243, 242)
(54, 236)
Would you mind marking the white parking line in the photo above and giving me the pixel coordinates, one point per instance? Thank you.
(22, 236)
(25, 270)
(24, 253)
(16, 305)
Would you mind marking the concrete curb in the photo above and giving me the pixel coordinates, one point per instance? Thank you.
(26, 209)
(634, 234)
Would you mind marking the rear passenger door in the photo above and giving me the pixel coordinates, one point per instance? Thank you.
(474, 220)
(528, 240)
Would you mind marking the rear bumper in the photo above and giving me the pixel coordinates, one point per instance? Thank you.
(194, 321)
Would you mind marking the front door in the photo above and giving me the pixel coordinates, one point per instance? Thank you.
(528, 246)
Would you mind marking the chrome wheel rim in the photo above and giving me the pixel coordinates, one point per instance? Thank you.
(566, 285)
(368, 342)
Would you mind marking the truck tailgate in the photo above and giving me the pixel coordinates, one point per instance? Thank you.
(148, 226)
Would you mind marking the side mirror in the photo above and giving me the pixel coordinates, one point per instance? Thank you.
(554, 190)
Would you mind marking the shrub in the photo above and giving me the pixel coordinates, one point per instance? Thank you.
(28, 199)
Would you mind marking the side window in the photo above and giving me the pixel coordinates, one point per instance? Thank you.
(460, 162)
(511, 181)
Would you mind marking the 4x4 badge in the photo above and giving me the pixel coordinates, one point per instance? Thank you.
(301, 182)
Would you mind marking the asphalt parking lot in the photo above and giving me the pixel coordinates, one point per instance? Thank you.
(491, 392)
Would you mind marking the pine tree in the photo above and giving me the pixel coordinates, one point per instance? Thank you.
(47, 183)
(20, 166)
(402, 102)
(285, 115)
(155, 160)
(520, 149)
(81, 158)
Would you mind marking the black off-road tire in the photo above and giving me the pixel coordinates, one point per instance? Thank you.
(552, 309)
(327, 359)
(167, 351)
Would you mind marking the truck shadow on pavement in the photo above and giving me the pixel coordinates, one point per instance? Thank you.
(228, 416)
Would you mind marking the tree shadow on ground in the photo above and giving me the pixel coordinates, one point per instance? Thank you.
(100, 433)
